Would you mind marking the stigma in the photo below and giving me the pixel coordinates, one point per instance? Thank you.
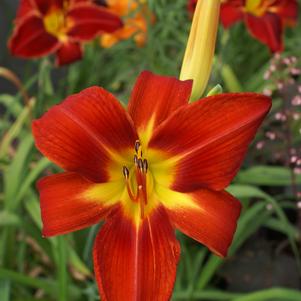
(140, 172)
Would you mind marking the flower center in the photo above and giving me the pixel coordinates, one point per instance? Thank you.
(258, 7)
(139, 193)
(56, 23)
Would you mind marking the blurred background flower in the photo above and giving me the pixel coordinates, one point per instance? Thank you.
(58, 26)
(135, 15)
(265, 19)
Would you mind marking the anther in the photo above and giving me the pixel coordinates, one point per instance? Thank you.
(145, 166)
(137, 146)
(126, 172)
(136, 160)
(140, 164)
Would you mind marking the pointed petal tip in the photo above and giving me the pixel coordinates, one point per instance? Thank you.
(70, 202)
(254, 95)
(68, 53)
(210, 217)
(259, 103)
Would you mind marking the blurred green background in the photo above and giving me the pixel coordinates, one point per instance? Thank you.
(264, 260)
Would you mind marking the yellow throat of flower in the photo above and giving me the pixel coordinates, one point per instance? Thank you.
(139, 175)
(258, 7)
(57, 24)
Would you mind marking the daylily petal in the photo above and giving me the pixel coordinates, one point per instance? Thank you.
(25, 7)
(207, 140)
(89, 20)
(70, 202)
(231, 12)
(84, 132)
(30, 39)
(210, 217)
(45, 6)
(74, 2)
(69, 52)
(267, 29)
(136, 263)
(287, 10)
(155, 97)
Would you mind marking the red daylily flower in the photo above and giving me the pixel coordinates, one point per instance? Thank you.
(58, 26)
(160, 165)
(265, 19)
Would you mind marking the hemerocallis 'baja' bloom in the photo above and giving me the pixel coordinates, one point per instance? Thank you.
(43, 27)
(135, 14)
(265, 19)
(160, 165)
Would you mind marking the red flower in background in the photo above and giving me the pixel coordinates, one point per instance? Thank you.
(265, 19)
(160, 165)
(58, 26)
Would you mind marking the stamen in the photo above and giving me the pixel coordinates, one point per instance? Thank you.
(131, 195)
(140, 164)
(126, 172)
(141, 168)
(137, 146)
(142, 204)
(145, 166)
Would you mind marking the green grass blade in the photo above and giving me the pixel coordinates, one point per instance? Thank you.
(273, 294)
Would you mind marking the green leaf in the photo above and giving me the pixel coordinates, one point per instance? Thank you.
(61, 265)
(287, 229)
(49, 286)
(245, 191)
(39, 167)
(272, 294)
(218, 89)
(4, 290)
(230, 79)
(266, 175)
(15, 173)
(11, 104)
(9, 219)
(15, 129)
